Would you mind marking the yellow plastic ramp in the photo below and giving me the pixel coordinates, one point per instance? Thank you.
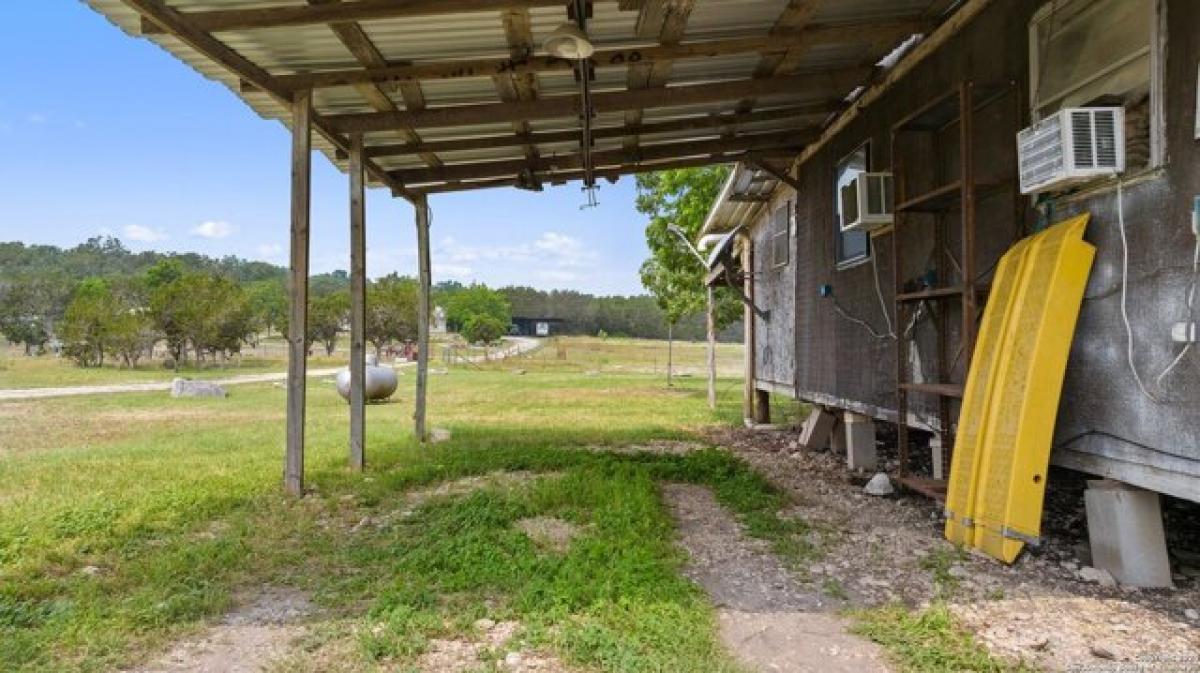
(998, 474)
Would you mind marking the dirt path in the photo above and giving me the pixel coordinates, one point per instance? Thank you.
(768, 620)
(1040, 609)
(522, 345)
(247, 640)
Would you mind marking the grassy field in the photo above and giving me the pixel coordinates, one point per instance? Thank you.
(128, 521)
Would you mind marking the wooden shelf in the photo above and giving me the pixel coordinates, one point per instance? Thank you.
(932, 293)
(943, 389)
(938, 200)
(931, 488)
(945, 110)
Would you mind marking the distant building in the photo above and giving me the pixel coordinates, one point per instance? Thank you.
(439, 321)
(534, 327)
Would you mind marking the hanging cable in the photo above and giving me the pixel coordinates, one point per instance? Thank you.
(1191, 313)
(1129, 343)
(879, 293)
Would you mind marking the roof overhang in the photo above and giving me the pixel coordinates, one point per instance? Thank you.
(457, 94)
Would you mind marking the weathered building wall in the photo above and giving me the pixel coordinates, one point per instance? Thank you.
(775, 290)
(1106, 425)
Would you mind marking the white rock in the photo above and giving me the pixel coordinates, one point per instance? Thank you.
(1191, 614)
(512, 659)
(879, 485)
(484, 624)
(437, 435)
(1097, 575)
(189, 388)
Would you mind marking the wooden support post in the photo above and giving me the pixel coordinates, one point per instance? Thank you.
(711, 329)
(748, 321)
(421, 204)
(358, 306)
(298, 290)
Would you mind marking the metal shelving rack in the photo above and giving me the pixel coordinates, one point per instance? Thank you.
(946, 200)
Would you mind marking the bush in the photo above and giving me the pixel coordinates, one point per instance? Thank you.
(483, 329)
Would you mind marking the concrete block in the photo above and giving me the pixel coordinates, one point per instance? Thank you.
(937, 455)
(815, 433)
(1125, 529)
(837, 438)
(860, 441)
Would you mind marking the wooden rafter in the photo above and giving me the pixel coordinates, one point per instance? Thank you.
(212, 21)
(518, 86)
(659, 152)
(859, 33)
(795, 16)
(819, 85)
(791, 118)
(359, 44)
(178, 25)
(666, 22)
(610, 173)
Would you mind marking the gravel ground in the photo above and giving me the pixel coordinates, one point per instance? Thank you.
(1040, 609)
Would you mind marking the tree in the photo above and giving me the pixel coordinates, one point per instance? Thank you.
(476, 300)
(391, 311)
(483, 329)
(29, 308)
(90, 321)
(326, 315)
(268, 304)
(679, 198)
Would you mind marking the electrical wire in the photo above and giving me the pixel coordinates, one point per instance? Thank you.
(1191, 313)
(879, 293)
(1129, 341)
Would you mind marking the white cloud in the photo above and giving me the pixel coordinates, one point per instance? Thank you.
(136, 232)
(551, 250)
(36, 118)
(213, 229)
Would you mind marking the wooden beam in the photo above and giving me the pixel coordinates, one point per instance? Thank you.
(611, 173)
(710, 331)
(797, 118)
(213, 21)
(298, 291)
(518, 86)
(748, 318)
(795, 16)
(855, 33)
(358, 306)
(817, 85)
(551, 165)
(665, 21)
(359, 44)
(171, 21)
(423, 309)
(778, 173)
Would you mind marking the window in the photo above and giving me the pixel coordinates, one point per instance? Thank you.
(1099, 52)
(852, 246)
(781, 236)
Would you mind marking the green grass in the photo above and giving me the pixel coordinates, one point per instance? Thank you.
(927, 640)
(178, 504)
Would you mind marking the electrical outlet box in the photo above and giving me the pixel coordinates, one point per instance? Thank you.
(1184, 333)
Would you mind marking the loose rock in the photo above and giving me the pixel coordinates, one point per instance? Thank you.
(879, 485)
(189, 388)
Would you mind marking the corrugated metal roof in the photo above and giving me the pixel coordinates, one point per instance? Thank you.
(299, 49)
(742, 198)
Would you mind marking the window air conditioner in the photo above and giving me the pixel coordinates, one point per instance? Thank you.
(867, 202)
(1072, 145)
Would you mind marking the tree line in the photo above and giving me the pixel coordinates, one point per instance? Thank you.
(99, 302)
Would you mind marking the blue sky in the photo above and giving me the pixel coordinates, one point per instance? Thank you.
(103, 133)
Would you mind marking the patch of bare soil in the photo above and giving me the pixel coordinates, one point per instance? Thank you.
(662, 447)
(1058, 633)
(247, 640)
(768, 620)
(495, 648)
(892, 549)
(549, 533)
(351, 515)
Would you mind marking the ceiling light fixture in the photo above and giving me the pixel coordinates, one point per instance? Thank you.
(568, 41)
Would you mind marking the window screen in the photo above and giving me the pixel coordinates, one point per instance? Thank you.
(852, 246)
